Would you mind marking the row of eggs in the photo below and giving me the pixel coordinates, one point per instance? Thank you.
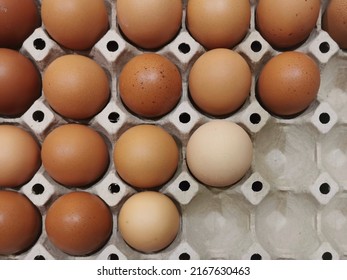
(80, 223)
(150, 85)
(145, 156)
(150, 24)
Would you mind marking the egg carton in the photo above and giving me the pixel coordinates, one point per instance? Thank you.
(291, 204)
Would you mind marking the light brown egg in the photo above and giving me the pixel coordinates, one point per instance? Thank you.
(18, 19)
(20, 83)
(19, 156)
(150, 85)
(149, 23)
(20, 223)
(288, 83)
(75, 155)
(219, 153)
(218, 23)
(286, 23)
(76, 87)
(149, 221)
(335, 21)
(146, 156)
(75, 24)
(220, 82)
(79, 223)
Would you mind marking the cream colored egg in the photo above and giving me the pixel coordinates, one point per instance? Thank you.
(149, 221)
(219, 153)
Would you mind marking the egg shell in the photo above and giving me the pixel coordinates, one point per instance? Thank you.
(20, 223)
(18, 19)
(146, 156)
(75, 24)
(149, 221)
(286, 23)
(149, 23)
(335, 22)
(79, 223)
(288, 83)
(16, 97)
(75, 155)
(76, 86)
(19, 156)
(150, 85)
(220, 82)
(219, 153)
(218, 23)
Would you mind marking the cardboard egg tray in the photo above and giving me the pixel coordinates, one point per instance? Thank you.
(292, 204)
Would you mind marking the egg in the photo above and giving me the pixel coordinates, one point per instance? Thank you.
(149, 24)
(288, 83)
(20, 83)
(149, 221)
(75, 155)
(19, 156)
(335, 21)
(20, 223)
(220, 82)
(286, 24)
(146, 156)
(76, 87)
(150, 85)
(75, 24)
(78, 223)
(218, 23)
(18, 19)
(219, 153)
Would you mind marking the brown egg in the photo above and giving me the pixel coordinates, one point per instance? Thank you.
(335, 21)
(20, 83)
(19, 156)
(218, 23)
(288, 83)
(149, 221)
(220, 82)
(20, 223)
(149, 23)
(146, 156)
(18, 19)
(78, 223)
(76, 87)
(286, 24)
(75, 24)
(74, 155)
(150, 85)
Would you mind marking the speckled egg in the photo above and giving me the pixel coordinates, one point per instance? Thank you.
(286, 24)
(150, 85)
(288, 83)
(335, 21)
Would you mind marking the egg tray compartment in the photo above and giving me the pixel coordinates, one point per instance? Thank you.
(291, 204)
